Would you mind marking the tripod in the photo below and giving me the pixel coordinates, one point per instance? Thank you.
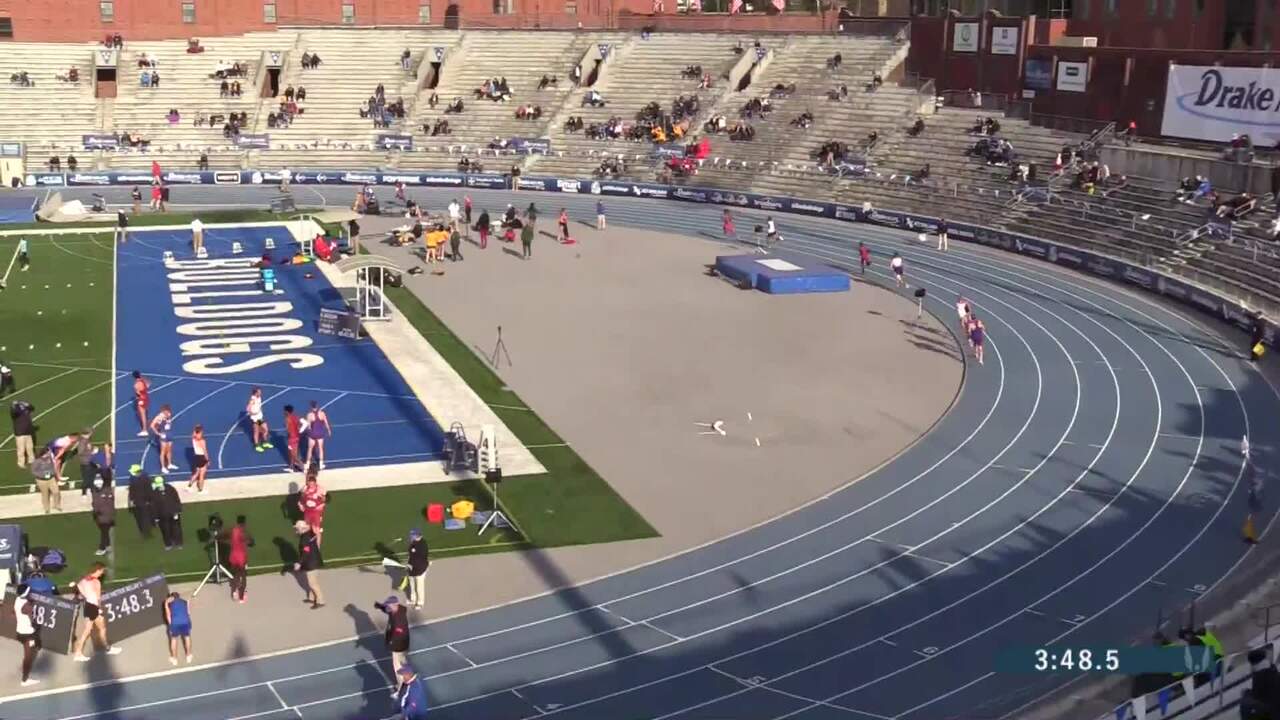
(217, 573)
(494, 359)
(493, 479)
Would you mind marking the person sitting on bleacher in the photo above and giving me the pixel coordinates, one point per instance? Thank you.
(922, 174)
(55, 164)
(21, 78)
(71, 163)
(839, 93)
(869, 143)
(781, 91)
(309, 60)
(691, 71)
(288, 93)
(876, 82)
(1186, 187)
(917, 128)
(742, 131)
(455, 107)
(220, 69)
(593, 98)
(441, 127)
(545, 82)
(172, 116)
(716, 124)
(194, 46)
(573, 124)
(72, 76)
(1236, 207)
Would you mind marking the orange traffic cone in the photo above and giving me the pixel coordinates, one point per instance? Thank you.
(1250, 535)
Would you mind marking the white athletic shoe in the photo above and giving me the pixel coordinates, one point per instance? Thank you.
(114, 650)
(189, 659)
(173, 661)
(81, 658)
(142, 433)
(171, 467)
(29, 682)
(321, 466)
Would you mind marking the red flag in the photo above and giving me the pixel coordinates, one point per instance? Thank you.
(155, 169)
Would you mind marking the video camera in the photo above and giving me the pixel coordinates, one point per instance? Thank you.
(19, 407)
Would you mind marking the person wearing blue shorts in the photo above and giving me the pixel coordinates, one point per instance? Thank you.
(977, 334)
(177, 620)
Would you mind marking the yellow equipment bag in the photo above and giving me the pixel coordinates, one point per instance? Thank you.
(1259, 349)
(462, 509)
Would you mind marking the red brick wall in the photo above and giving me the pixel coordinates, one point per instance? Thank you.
(79, 20)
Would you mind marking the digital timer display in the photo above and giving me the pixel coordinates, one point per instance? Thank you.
(1106, 660)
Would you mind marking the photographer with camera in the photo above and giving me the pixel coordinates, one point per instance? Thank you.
(397, 633)
(6, 379)
(22, 412)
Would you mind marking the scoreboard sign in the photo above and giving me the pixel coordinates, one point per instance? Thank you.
(135, 608)
(54, 617)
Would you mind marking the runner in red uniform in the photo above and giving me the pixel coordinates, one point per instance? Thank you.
(141, 400)
(311, 502)
(293, 426)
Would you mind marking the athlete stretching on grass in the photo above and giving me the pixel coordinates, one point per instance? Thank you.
(141, 399)
(261, 433)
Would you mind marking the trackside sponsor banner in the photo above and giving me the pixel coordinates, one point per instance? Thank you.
(393, 178)
(610, 188)
(1208, 102)
(569, 186)
(765, 202)
(670, 150)
(186, 178)
(537, 183)
(442, 180)
(884, 217)
(805, 207)
(690, 195)
(729, 198)
(228, 177)
(394, 142)
(131, 178)
(89, 178)
(44, 179)
(486, 181)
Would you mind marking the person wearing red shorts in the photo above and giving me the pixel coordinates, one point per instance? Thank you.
(311, 502)
(141, 399)
(293, 426)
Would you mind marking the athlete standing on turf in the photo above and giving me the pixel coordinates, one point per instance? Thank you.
(200, 453)
(318, 430)
(261, 433)
(293, 428)
(141, 399)
(162, 427)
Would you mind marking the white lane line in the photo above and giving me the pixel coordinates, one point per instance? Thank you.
(671, 635)
(755, 685)
(55, 406)
(283, 705)
(1128, 540)
(457, 652)
(527, 701)
(147, 448)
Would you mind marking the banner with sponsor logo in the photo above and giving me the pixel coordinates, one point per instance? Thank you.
(1037, 73)
(569, 186)
(1073, 76)
(1213, 103)
(170, 177)
(100, 141)
(10, 149)
(260, 141)
(91, 178)
(226, 177)
(394, 142)
(486, 180)
(1004, 40)
(443, 180)
(964, 37)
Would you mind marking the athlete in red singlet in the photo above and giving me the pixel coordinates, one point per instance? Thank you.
(141, 399)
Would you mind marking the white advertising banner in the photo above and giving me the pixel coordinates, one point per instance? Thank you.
(1209, 102)
(1073, 76)
(965, 37)
(1004, 40)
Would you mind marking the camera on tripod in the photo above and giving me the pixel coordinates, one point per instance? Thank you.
(215, 525)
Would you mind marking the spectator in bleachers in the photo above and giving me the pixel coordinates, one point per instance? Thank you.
(1130, 132)
(220, 69)
(433, 100)
(1240, 149)
(456, 107)
(803, 121)
(55, 164)
(288, 93)
(975, 98)
(705, 83)
(838, 94)
(224, 89)
(593, 98)
(835, 61)
(573, 124)
(575, 75)
(172, 116)
(147, 62)
(155, 78)
(917, 128)
(235, 89)
(72, 76)
(1236, 207)
(716, 124)
(869, 143)
(405, 58)
(310, 60)
(21, 78)
(72, 165)
(922, 174)
(691, 72)
(545, 82)
(876, 82)
(203, 163)
(831, 153)
(781, 91)
(194, 46)
(301, 94)
(742, 131)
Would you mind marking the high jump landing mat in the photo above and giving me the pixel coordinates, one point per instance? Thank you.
(782, 273)
(205, 334)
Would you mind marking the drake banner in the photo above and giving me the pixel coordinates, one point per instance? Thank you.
(1210, 102)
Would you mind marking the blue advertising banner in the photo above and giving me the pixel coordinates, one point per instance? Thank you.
(670, 150)
(443, 180)
(44, 179)
(260, 141)
(90, 178)
(486, 180)
(394, 142)
(1037, 74)
(100, 142)
(186, 178)
(10, 149)
(546, 184)
(394, 178)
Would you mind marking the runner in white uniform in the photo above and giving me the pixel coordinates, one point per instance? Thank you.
(261, 433)
(895, 264)
(962, 309)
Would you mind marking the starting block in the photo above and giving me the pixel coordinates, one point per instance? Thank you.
(236, 248)
(168, 256)
(202, 253)
(271, 244)
(268, 280)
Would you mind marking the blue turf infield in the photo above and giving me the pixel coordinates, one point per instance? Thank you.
(205, 334)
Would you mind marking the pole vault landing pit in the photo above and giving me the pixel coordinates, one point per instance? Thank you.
(781, 274)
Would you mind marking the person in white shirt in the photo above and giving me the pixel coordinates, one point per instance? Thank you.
(770, 230)
(455, 214)
(25, 632)
(896, 265)
(285, 177)
(197, 235)
(261, 433)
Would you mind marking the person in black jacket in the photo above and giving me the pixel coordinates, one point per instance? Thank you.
(21, 412)
(142, 501)
(419, 561)
(397, 632)
(309, 563)
(168, 509)
(1256, 337)
(103, 509)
